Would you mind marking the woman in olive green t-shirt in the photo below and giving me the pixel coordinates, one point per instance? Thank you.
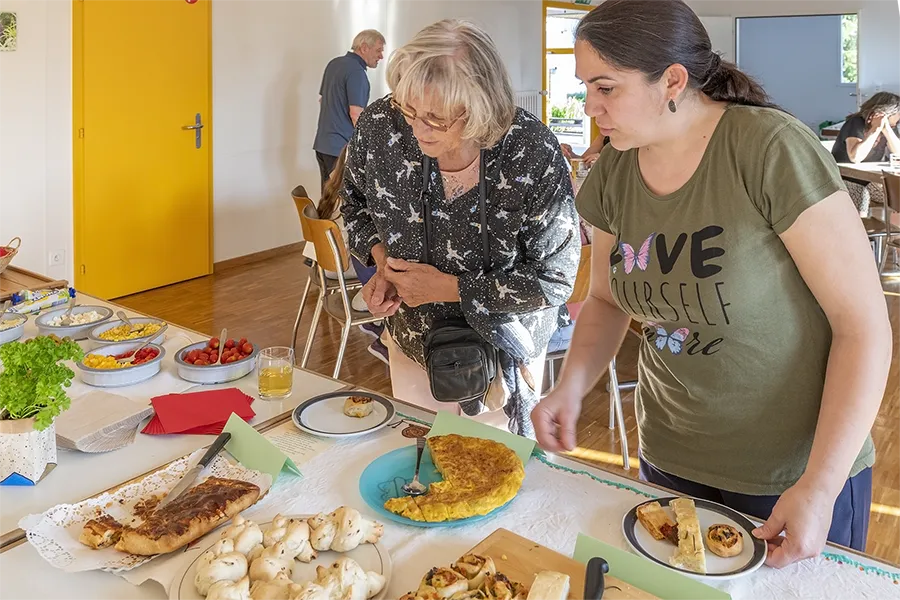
(733, 241)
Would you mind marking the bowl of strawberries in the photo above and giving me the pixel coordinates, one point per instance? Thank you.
(216, 361)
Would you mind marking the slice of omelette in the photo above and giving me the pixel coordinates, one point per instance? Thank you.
(478, 476)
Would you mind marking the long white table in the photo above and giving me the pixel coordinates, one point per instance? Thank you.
(560, 498)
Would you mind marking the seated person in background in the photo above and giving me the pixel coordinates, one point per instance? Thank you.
(590, 155)
(869, 135)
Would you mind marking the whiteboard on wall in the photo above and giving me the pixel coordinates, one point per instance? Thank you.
(721, 34)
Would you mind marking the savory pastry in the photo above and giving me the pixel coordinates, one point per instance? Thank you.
(102, 532)
(358, 406)
(724, 540)
(499, 587)
(350, 580)
(280, 588)
(690, 554)
(657, 522)
(229, 590)
(295, 535)
(446, 582)
(221, 547)
(197, 512)
(478, 476)
(550, 585)
(342, 530)
(229, 567)
(271, 562)
(245, 534)
(475, 568)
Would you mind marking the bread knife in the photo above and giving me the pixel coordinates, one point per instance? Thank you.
(594, 586)
(191, 476)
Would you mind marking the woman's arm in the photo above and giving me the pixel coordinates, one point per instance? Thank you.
(545, 275)
(362, 235)
(859, 148)
(890, 135)
(830, 248)
(599, 331)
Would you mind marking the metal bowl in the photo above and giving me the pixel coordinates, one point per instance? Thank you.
(211, 374)
(76, 332)
(158, 338)
(125, 375)
(13, 333)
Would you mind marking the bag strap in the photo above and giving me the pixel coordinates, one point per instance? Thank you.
(425, 202)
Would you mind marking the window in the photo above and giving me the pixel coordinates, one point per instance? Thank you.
(849, 29)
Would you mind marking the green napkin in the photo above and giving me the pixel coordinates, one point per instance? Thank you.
(446, 423)
(643, 574)
(254, 451)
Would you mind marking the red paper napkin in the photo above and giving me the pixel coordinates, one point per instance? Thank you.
(198, 413)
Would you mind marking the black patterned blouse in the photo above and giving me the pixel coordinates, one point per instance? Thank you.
(532, 223)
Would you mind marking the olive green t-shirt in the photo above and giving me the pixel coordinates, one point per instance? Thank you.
(732, 365)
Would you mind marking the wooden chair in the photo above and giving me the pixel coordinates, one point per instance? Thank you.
(320, 232)
(616, 413)
(891, 183)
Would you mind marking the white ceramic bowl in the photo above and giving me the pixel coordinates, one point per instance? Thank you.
(211, 374)
(159, 338)
(126, 375)
(13, 333)
(76, 332)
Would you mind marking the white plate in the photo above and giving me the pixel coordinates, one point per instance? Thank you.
(125, 376)
(159, 338)
(13, 333)
(371, 557)
(709, 513)
(76, 332)
(212, 374)
(324, 415)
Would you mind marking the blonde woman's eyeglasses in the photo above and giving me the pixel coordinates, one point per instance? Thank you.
(435, 124)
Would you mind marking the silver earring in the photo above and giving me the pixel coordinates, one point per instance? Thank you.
(672, 107)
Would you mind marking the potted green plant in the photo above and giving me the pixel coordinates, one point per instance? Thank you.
(32, 395)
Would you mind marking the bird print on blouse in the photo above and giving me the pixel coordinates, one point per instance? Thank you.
(534, 245)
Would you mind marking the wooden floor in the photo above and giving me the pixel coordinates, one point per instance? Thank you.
(260, 301)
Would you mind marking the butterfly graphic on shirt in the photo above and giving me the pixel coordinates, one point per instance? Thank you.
(674, 341)
(641, 258)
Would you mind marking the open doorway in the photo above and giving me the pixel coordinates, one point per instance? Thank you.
(819, 83)
(564, 94)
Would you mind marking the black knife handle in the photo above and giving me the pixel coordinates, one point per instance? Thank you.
(215, 448)
(594, 586)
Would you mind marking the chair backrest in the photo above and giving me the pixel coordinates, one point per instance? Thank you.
(301, 201)
(891, 190)
(583, 277)
(317, 230)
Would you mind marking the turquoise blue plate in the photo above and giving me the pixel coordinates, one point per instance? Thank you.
(384, 479)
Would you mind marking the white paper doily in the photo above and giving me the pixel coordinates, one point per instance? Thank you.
(54, 534)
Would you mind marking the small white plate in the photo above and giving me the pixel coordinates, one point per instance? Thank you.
(371, 557)
(324, 415)
(709, 513)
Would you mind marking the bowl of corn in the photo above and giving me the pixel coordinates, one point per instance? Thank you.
(101, 369)
(142, 329)
(12, 326)
(82, 320)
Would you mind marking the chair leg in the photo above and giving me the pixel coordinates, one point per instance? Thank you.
(613, 384)
(312, 328)
(300, 313)
(340, 356)
(551, 371)
(615, 398)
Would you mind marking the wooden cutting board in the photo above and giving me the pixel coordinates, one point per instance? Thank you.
(521, 560)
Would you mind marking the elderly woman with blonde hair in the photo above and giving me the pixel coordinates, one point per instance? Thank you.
(464, 203)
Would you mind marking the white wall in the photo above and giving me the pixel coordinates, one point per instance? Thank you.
(809, 85)
(268, 58)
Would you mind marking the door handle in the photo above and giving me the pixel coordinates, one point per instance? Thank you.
(196, 127)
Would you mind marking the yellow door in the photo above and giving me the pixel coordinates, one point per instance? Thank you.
(142, 162)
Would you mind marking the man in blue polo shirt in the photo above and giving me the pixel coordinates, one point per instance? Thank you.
(343, 96)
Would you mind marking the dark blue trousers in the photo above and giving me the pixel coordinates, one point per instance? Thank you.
(849, 522)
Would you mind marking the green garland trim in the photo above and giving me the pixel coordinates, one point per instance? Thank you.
(541, 457)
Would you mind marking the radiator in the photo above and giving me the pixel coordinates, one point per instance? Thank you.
(531, 101)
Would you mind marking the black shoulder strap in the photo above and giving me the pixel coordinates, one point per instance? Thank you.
(425, 203)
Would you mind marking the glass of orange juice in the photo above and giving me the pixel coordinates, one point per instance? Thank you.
(275, 370)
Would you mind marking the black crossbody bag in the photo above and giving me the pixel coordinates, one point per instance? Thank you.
(460, 363)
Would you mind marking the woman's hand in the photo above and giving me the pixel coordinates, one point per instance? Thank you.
(567, 151)
(555, 418)
(419, 284)
(803, 513)
(590, 159)
(381, 295)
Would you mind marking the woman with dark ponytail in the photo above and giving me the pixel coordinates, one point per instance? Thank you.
(733, 241)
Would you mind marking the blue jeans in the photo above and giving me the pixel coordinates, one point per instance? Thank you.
(849, 522)
(363, 272)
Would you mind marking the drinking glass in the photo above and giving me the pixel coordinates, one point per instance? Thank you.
(275, 370)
